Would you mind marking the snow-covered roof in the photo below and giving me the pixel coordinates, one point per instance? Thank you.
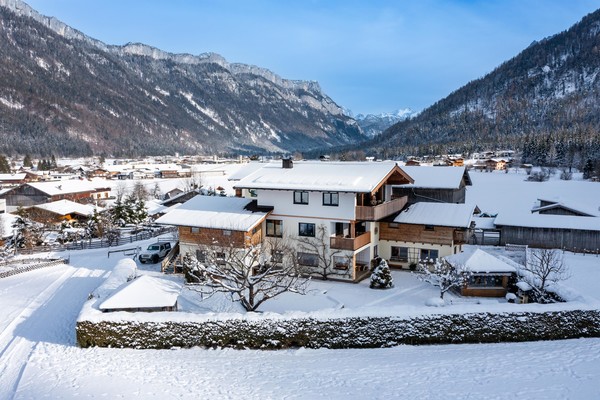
(557, 202)
(479, 261)
(484, 223)
(246, 170)
(437, 177)
(215, 212)
(12, 177)
(64, 207)
(143, 292)
(440, 214)
(536, 220)
(68, 186)
(155, 207)
(320, 176)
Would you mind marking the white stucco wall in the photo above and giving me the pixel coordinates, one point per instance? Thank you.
(283, 201)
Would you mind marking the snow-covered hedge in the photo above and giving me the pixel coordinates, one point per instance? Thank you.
(351, 332)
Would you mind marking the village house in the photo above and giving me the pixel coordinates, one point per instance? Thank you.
(35, 193)
(551, 224)
(8, 180)
(337, 205)
(425, 231)
(205, 220)
(61, 210)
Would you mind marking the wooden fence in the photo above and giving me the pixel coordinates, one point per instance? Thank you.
(32, 264)
(100, 243)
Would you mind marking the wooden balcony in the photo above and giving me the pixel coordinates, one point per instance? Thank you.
(342, 243)
(380, 211)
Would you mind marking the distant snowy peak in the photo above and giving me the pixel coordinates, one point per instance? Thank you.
(374, 124)
(398, 115)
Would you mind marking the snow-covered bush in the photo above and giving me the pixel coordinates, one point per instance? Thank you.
(381, 278)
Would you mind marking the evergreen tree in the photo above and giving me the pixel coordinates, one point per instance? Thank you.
(27, 163)
(4, 165)
(588, 169)
(381, 278)
(141, 214)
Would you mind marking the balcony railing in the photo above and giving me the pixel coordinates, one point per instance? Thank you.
(380, 211)
(342, 243)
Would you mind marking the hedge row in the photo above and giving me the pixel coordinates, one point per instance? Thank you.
(356, 332)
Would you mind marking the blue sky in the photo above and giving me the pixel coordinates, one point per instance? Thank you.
(369, 56)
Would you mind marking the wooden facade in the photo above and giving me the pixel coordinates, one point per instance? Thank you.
(416, 195)
(569, 239)
(443, 235)
(207, 237)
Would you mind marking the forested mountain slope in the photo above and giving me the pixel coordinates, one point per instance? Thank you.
(64, 93)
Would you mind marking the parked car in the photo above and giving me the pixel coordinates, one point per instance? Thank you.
(155, 252)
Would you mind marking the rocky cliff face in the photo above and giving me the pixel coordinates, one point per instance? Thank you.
(62, 92)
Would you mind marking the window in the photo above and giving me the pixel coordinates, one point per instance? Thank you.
(277, 256)
(485, 281)
(331, 199)
(300, 197)
(399, 253)
(429, 227)
(226, 232)
(220, 258)
(194, 229)
(308, 259)
(274, 227)
(428, 254)
(201, 256)
(305, 229)
(393, 225)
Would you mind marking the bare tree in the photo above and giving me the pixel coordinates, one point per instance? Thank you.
(441, 274)
(139, 191)
(543, 267)
(120, 190)
(318, 246)
(251, 275)
(194, 181)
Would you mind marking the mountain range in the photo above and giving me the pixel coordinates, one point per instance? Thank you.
(544, 102)
(64, 93)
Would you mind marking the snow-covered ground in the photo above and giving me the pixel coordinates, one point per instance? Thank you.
(39, 358)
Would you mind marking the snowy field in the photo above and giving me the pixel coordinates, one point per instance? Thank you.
(39, 358)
